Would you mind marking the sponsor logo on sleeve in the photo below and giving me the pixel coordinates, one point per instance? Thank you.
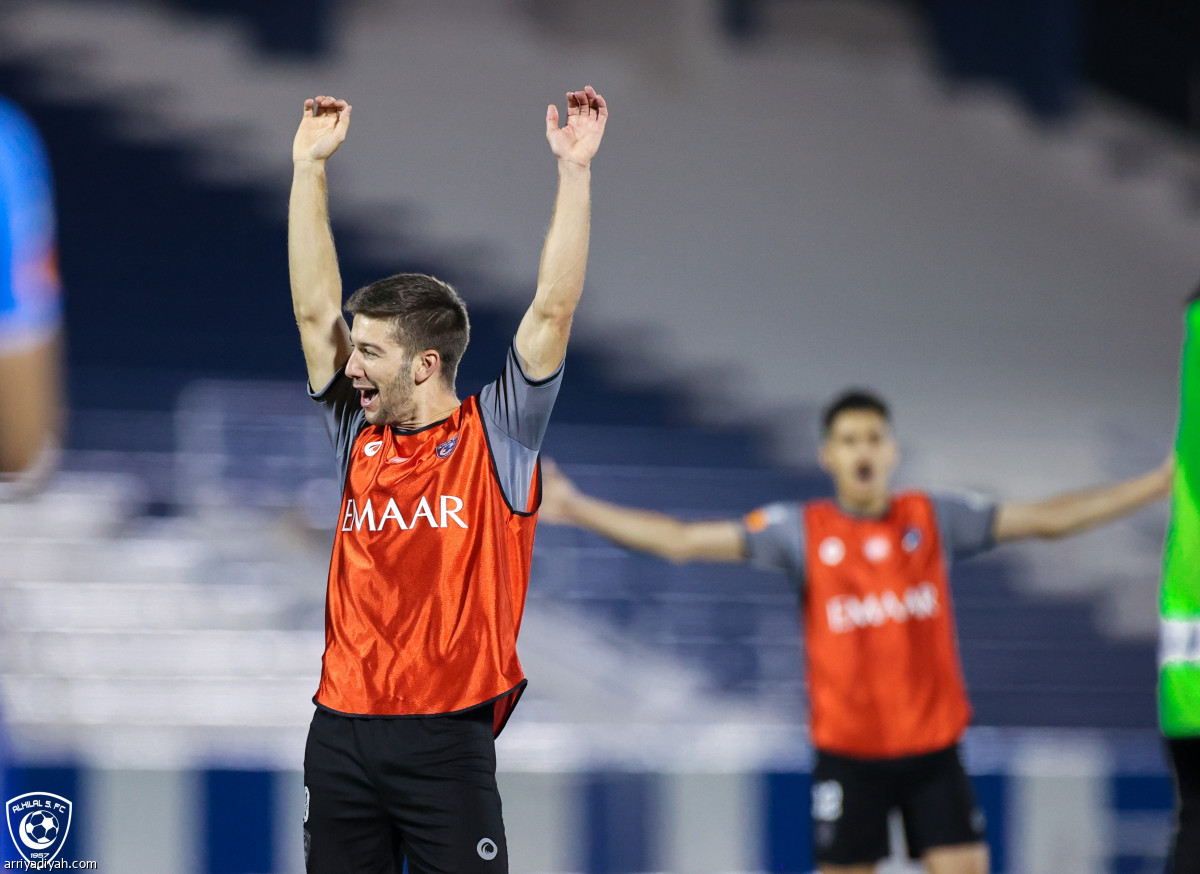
(764, 517)
(756, 521)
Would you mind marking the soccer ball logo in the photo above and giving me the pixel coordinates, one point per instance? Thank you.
(38, 823)
(39, 829)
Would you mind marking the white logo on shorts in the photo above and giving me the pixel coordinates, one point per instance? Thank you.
(487, 849)
(306, 800)
(827, 801)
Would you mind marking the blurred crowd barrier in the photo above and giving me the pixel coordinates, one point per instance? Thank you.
(1082, 803)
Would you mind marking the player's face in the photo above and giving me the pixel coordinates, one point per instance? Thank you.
(860, 454)
(381, 370)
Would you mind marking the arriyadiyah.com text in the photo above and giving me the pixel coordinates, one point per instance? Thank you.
(52, 865)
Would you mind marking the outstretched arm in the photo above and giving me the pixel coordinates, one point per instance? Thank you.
(1075, 512)
(312, 260)
(639, 530)
(542, 337)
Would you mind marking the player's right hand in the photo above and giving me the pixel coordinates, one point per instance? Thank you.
(557, 494)
(321, 131)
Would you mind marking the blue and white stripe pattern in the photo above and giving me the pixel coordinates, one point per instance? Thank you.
(1052, 805)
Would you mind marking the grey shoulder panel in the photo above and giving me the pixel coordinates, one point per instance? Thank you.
(965, 521)
(343, 416)
(516, 412)
(776, 541)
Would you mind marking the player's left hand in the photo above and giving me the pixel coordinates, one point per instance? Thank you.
(577, 141)
(322, 129)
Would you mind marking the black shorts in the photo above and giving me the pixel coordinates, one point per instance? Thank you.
(1185, 845)
(380, 791)
(852, 798)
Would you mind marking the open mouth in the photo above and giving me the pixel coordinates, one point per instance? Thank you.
(864, 472)
(368, 396)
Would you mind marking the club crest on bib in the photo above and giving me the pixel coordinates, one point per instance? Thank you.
(444, 449)
(38, 823)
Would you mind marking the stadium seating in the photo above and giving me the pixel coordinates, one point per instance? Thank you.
(164, 599)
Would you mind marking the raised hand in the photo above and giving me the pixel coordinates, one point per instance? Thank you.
(558, 492)
(322, 129)
(577, 141)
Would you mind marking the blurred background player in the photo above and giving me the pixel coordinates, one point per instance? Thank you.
(431, 559)
(887, 699)
(31, 414)
(1179, 665)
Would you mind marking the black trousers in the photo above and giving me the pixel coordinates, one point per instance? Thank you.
(1185, 847)
(379, 792)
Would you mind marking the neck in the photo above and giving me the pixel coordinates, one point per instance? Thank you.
(428, 408)
(858, 505)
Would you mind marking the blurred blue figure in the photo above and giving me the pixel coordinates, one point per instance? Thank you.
(31, 414)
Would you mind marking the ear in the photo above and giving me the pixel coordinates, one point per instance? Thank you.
(426, 365)
(823, 458)
(895, 451)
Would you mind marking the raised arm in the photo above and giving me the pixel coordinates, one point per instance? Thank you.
(312, 260)
(639, 530)
(542, 337)
(1075, 512)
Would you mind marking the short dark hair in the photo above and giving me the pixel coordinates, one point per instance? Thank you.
(853, 399)
(426, 313)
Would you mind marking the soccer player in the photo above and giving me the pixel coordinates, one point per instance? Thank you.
(431, 558)
(31, 413)
(887, 699)
(1179, 604)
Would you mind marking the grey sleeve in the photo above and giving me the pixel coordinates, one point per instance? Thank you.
(965, 523)
(516, 411)
(775, 539)
(343, 416)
